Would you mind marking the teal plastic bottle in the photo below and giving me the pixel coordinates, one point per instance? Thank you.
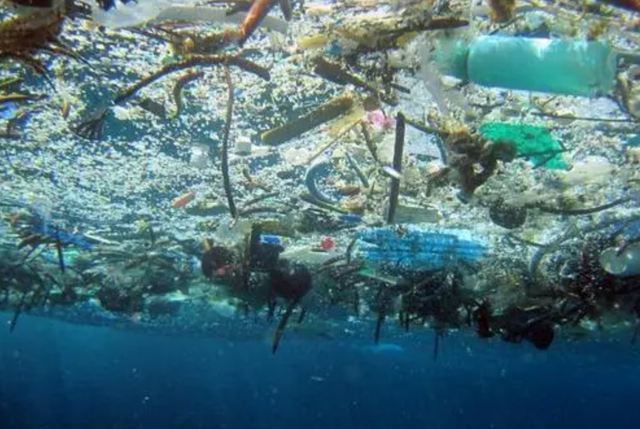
(558, 66)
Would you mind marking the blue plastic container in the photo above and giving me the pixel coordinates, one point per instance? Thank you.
(559, 66)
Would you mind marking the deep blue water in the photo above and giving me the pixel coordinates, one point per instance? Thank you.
(55, 375)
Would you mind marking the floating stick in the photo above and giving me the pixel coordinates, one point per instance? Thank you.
(326, 112)
(397, 166)
(225, 145)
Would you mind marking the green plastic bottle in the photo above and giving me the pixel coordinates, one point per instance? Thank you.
(571, 67)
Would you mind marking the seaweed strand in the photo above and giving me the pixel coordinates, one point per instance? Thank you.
(397, 166)
(179, 86)
(354, 166)
(283, 323)
(261, 198)
(194, 61)
(16, 315)
(225, 144)
(381, 301)
(585, 211)
(369, 142)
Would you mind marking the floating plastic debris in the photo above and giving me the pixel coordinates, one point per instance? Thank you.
(558, 66)
(350, 218)
(324, 113)
(533, 142)
(309, 163)
(49, 229)
(272, 239)
(415, 248)
(327, 243)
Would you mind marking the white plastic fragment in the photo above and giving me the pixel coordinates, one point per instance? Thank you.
(591, 170)
(199, 156)
(243, 145)
(133, 13)
(143, 12)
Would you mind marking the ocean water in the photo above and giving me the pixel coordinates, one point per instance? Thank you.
(145, 301)
(55, 375)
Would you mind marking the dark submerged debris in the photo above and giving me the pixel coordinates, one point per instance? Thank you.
(92, 129)
(507, 215)
(585, 211)
(291, 282)
(118, 300)
(21, 37)
(481, 317)
(277, 337)
(529, 324)
(382, 303)
(215, 259)
(60, 253)
(626, 4)
(438, 335)
(153, 107)
(20, 307)
(570, 288)
(286, 8)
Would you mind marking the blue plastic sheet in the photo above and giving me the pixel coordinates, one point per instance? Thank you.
(45, 227)
(419, 249)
